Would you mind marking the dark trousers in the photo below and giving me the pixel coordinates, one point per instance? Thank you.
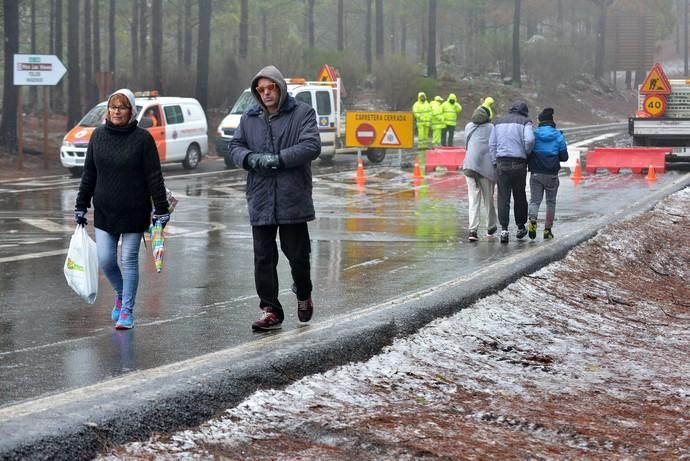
(296, 246)
(447, 135)
(512, 179)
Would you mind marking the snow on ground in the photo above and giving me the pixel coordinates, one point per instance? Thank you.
(588, 358)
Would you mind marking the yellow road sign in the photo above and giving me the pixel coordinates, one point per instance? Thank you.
(656, 82)
(655, 105)
(388, 130)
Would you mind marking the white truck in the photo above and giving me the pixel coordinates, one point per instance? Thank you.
(672, 129)
(324, 97)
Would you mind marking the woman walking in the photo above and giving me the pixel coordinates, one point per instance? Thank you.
(122, 174)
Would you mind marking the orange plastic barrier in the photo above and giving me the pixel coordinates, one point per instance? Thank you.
(446, 156)
(636, 159)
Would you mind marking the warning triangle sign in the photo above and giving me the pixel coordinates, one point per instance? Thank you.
(390, 138)
(656, 82)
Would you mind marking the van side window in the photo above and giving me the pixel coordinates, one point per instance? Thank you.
(173, 115)
(323, 103)
(304, 96)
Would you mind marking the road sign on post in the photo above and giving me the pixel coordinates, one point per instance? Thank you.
(37, 69)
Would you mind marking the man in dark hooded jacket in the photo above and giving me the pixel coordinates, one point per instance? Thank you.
(276, 141)
(510, 143)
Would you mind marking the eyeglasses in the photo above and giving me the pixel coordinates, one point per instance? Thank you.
(270, 87)
(118, 108)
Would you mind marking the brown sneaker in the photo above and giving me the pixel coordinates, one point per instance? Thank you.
(268, 321)
(305, 309)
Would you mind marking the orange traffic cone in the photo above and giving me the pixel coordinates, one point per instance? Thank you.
(417, 173)
(651, 173)
(360, 169)
(577, 174)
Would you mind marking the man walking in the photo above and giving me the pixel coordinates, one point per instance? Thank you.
(276, 141)
(510, 143)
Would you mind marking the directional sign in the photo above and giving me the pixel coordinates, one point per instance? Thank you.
(379, 129)
(656, 82)
(37, 69)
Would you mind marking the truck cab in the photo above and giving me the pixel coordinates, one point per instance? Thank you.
(324, 97)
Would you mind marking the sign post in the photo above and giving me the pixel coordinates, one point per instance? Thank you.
(36, 70)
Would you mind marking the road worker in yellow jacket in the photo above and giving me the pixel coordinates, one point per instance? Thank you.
(451, 109)
(437, 122)
(487, 103)
(422, 115)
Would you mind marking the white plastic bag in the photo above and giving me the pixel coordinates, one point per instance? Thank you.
(81, 265)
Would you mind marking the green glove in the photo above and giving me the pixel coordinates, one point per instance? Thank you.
(269, 161)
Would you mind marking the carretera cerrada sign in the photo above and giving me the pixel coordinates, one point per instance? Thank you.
(379, 129)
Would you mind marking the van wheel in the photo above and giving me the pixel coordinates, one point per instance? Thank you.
(76, 171)
(376, 155)
(192, 158)
(326, 159)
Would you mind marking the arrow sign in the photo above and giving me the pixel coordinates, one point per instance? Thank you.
(37, 69)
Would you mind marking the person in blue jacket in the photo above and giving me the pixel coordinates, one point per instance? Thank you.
(549, 151)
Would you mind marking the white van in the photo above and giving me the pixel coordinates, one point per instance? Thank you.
(178, 125)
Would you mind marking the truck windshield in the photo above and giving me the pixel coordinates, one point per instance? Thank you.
(95, 116)
(244, 102)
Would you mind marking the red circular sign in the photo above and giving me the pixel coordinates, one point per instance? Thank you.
(365, 134)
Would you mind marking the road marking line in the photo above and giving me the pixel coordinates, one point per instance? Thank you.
(47, 225)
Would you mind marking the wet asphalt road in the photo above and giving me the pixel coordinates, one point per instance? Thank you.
(391, 237)
(372, 244)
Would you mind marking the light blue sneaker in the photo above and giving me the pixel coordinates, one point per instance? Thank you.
(126, 320)
(115, 314)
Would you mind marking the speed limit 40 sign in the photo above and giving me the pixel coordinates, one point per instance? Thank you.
(655, 105)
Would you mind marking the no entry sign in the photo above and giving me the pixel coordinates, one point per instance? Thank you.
(365, 134)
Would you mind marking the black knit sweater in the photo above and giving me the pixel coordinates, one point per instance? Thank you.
(122, 173)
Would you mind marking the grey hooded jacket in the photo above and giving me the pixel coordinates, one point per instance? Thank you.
(282, 196)
(477, 155)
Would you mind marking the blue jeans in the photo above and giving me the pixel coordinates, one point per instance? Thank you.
(125, 281)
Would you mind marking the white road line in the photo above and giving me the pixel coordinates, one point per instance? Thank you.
(588, 141)
(41, 254)
(48, 225)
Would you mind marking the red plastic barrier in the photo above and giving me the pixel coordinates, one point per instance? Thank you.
(446, 156)
(636, 159)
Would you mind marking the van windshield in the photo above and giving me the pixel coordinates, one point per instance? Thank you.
(244, 102)
(95, 116)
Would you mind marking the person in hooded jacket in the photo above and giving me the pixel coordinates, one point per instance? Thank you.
(480, 173)
(421, 110)
(122, 173)
(437, 121)
(549, 151)
(510, 144)
(451, 109)
(276, 141)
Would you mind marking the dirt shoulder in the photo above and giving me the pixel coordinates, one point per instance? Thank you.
(587, 358)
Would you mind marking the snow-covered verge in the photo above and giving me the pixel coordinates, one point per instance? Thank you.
(588, 358)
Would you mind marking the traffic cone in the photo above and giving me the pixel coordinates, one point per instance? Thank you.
(651, 173)
(417, 173)
(360, 170)
(577, 174)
